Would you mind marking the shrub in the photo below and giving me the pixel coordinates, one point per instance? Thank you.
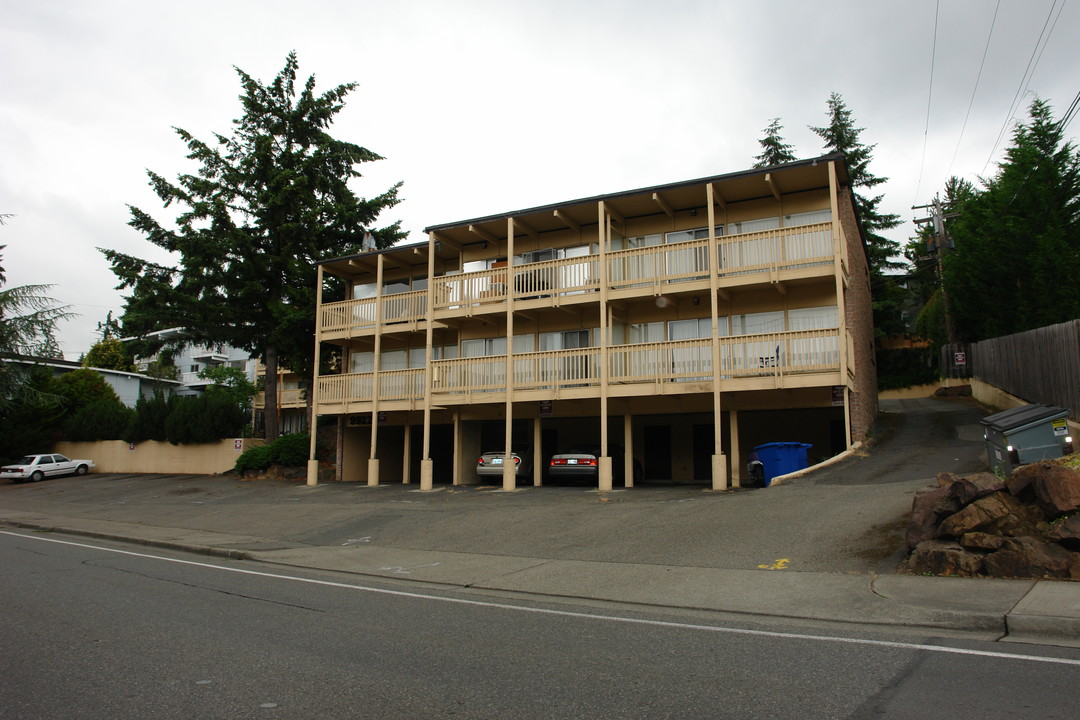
(98, 420)
(148, 422)
(286, 450)
(203, 419)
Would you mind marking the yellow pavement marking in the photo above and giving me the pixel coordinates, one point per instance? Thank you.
(780, 564)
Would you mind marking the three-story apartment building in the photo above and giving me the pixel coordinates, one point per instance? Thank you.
(677, 326)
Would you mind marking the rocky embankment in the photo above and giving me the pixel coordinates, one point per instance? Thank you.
(1026, 526)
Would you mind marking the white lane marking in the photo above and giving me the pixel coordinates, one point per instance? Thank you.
(399, 570)
(567, 613)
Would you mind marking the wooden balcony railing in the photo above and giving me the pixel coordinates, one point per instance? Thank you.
(355, 314)
(741, 356)
(286, 399)
(653, 267)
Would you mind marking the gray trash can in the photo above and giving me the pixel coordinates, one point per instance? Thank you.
(1025, 435)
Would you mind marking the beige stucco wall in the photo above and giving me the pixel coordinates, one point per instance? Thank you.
(117, 456)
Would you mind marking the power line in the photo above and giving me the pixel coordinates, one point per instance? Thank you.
(974, 90)
(929, 97)
(1033, 62)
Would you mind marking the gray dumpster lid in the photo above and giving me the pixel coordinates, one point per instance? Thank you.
(1023, 416)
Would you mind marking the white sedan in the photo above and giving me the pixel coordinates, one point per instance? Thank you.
(39, 467)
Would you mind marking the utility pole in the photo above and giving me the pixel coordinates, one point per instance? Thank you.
(941, 242)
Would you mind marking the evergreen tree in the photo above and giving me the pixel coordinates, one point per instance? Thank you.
(28, 319)
(841, 135)
(1016, 256)
(109, 354)
(263, 206)
(774, 150)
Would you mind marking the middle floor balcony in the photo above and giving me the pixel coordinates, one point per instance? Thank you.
(743, 259)
(804, 358)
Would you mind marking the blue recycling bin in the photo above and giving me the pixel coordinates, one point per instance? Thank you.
(781, 458)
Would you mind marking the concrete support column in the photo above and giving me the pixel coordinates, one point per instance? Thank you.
(738, 467)
(537, 454)
(427, 474)
(406, 455)
(312, 472)
(373, 472)
(458, 480)
(604, 474)
(719, 472)
(628, 451)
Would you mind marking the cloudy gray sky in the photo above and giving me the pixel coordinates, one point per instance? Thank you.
(486, 106)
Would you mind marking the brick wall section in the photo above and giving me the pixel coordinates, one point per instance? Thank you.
(860, 322)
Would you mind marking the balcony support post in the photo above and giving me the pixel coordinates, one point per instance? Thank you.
(313, 462)
(719, 463)
(537, 455)
(406, 453)
(604, 479)
(509, 479)
(427, 471)
(373, 462)
(737, 465)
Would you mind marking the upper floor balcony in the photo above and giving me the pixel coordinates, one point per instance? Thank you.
(745, 258)
(787, 359)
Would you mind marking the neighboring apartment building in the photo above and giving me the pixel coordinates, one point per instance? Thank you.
(679, 325)
(192, 359)
(128, 386)
(292, 400)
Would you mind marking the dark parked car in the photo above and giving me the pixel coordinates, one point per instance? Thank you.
(582, 463)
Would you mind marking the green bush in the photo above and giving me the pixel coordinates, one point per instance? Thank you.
(286, 450)
(148, 422)
(906, 367)
(98, 420)
(203, 419)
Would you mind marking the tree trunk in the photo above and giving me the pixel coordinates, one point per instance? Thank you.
(271, 412)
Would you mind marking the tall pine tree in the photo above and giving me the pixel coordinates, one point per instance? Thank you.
(841, 135)
(773, 148)
(265, 203)
(1016, 258)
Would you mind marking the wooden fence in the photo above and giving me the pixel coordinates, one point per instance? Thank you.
(1038, 366)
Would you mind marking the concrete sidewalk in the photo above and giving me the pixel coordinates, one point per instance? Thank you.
(1013, 610)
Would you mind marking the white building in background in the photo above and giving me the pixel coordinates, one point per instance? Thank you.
(192, 359)
(128, 386)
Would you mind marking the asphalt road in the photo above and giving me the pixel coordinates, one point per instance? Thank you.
(115, 632)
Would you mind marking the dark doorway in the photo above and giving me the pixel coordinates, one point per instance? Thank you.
(704, 443)
(657, 452)
(442, 453)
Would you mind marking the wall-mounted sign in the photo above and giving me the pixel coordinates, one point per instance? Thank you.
(545, 408)
(838, 395)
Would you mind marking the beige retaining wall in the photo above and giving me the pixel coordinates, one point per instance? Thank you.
(921, 391)
(117, 456)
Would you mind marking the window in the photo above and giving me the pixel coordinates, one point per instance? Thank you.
(488, 347)
(690, 363)
(645, 333)
(815, 318)
(364, 291)
(754, 323)
(748, 226)
(362, 362)
(696, 234)
(808, 218)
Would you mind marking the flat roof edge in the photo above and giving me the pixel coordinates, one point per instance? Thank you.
(640, 191)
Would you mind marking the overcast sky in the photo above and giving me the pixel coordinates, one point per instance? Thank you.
(488, 106)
